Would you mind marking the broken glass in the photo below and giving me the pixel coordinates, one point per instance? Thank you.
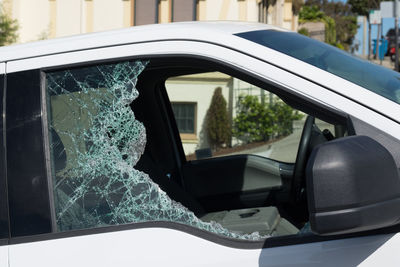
(95, 143)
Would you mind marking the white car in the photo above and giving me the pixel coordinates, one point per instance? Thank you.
(197, 144)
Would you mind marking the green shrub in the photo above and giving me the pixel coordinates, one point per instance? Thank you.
(8, 28)
(314, 14)
(304, 31)
(261, 122)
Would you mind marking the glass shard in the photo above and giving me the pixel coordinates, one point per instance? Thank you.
(95, 143)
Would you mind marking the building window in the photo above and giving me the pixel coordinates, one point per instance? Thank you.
(185, 116)
(184, 10)
(145, 12)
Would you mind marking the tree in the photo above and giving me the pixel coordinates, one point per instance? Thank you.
(217, 120)
(296, 6)
(313, 13)
(253, 121)
(304, 31)
(8, 29)
(257, 121)
(345, 20)
(362, 7)
(339, 19)
(346, 29)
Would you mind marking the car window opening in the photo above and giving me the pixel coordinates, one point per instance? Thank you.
(103, 173)
(244, 140)
(96, 142)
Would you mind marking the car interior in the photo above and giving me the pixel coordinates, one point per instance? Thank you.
(244, 193)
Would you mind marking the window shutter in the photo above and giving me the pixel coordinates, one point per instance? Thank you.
(184, 10)
(146, 12)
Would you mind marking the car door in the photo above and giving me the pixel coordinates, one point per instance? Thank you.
(4, 255)
(157, 242)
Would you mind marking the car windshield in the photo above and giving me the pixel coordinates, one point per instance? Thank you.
(380, 80)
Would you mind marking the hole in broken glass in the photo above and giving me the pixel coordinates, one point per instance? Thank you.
(98, 184)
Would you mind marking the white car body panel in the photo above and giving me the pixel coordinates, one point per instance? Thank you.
(385, 255)
(4, 256)
(140, 247)
(2, 68)
(154, 247)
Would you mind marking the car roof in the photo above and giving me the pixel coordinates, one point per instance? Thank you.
(211, 31)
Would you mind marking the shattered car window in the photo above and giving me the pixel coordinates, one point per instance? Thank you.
(95, 142)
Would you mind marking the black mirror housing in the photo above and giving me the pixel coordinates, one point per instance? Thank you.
(353, 185)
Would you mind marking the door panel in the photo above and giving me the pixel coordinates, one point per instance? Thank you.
(233, 182)
(378, 250)
(3, 255)
(167, 247)
(261, 174)
(139, 247)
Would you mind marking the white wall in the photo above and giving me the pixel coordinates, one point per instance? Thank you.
(229, 10)
(107, 15)
(32, 18)
(69, 17)
(252, 11)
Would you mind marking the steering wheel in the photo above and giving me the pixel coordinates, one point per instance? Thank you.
(298, 181)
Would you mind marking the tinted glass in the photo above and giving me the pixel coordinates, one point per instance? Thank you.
(375, 78)
(26, 168)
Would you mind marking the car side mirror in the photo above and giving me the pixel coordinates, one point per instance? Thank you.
(353, 185)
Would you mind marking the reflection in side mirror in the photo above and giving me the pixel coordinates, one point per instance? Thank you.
(203, 153)
(353, 185)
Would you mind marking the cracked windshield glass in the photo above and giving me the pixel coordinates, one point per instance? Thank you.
(96, 141)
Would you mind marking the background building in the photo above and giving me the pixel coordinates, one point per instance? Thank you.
(43, 19)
